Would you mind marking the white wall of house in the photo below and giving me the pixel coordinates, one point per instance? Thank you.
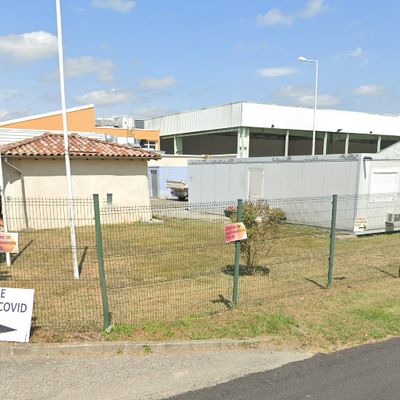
(44, 178)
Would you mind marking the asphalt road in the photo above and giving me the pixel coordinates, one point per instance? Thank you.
(370, 372)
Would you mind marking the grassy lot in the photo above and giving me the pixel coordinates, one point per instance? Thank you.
(173, 280)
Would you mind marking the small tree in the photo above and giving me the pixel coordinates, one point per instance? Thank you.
(262, 224)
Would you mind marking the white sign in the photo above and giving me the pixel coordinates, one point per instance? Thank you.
(16, 307)
(360, 224)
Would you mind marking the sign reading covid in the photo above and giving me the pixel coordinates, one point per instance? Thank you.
(16, 307)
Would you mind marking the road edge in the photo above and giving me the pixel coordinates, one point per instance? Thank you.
(127, 347)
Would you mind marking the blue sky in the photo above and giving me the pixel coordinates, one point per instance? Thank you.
(151, 57)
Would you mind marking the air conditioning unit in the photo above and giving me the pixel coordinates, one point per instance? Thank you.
(111, 138)
(392, 219)
(139, 123)
(106, 122)
(128, 141)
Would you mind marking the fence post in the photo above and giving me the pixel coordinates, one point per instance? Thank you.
(100, 262)
(239, 209)
(332, 240)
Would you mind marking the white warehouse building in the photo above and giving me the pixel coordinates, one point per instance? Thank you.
(248, 129)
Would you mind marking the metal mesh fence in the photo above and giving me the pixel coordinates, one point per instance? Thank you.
(45, 262)
(169, 261)
(167, 267)
(370, 253)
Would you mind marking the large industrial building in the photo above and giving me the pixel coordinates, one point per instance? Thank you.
(260, 130)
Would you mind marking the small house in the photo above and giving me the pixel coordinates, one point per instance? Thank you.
(34, 168)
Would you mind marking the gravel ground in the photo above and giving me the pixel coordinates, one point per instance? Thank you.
(154, 376)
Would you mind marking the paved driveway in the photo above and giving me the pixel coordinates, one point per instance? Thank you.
(369, 372)
(128, 377)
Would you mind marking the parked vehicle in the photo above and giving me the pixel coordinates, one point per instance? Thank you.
(179, 189)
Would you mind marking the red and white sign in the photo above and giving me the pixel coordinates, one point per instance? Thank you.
(8, 242)
(235, 232)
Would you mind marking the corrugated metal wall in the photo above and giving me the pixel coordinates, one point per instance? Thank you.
(8, 135)
(223, 117)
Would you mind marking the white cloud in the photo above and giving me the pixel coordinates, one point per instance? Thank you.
(7, 115)
(276, 72)
(76, 67)
(357, 53)
(4, 114)
(123, 6)
(274, 17)
(369, 90)
(150, 112)
(8, 94)
(28, 47)
(86, 65)
(157, 83)
(312, 8)
(303, 96)
(277, 17)
(324, 100)
(106, 97)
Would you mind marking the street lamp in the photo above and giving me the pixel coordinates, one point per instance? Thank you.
(315, 96)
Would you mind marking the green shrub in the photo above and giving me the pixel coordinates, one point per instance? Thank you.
(262, 224)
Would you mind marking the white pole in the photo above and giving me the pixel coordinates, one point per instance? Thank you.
(379, 144)
(4, 207)
(315, 105)
(66, 144)
(325, 143)
(287, 144)
(315, 98)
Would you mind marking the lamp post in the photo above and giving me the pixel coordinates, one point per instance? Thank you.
(315, 97)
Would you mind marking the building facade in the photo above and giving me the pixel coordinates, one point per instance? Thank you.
(262, 130)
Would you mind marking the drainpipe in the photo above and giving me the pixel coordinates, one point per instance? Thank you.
(4, 207)
(23, 191)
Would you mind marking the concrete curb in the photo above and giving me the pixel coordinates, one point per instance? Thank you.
(25, 349)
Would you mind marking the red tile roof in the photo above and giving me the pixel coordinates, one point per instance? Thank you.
(52, 145)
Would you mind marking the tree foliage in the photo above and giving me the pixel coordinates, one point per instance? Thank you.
(262, 224)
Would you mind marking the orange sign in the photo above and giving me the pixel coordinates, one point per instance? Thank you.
(235, 232)
(9, 242)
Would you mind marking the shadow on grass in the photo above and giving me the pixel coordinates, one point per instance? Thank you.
(221, 299)
(82, 261)
(4, 275)
(15, 258)
(321, 286)
(388, 273)
(245, 270)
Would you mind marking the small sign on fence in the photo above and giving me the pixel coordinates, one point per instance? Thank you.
(235, 232)
(16, 307)
(9, 242)
(360, 224)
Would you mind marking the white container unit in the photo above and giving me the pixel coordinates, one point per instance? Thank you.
(367, 186)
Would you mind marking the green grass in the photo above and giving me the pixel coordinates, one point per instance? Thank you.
(242, 325)
(170, 281)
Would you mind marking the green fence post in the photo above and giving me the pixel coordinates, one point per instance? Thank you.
(237, 256)
(332, 240)
(100, 262)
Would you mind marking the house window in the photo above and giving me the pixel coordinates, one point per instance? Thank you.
(109, 199)
(148, 144)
